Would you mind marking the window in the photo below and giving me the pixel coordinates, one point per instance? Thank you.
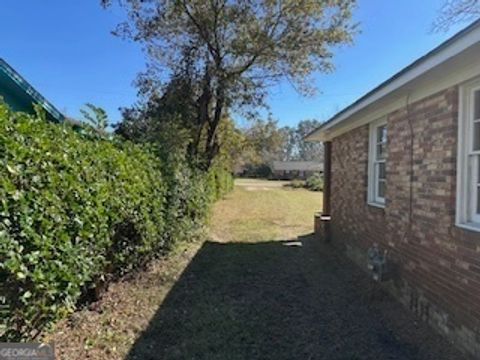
(468, 181)
(377, 179)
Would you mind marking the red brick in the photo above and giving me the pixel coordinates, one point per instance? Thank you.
(432, 254)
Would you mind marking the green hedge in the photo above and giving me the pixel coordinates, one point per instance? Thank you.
(77, 211)
(315, 182)
(220, 182)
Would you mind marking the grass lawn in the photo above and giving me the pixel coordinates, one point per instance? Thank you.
(262, 287)
(261, 210)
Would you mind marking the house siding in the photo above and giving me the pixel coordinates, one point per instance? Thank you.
(434, 265)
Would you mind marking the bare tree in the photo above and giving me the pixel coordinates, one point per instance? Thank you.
(456, 11)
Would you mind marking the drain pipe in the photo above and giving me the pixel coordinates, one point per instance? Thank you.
(327, 177)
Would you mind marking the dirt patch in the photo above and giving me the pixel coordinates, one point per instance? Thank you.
(256, 188)
(259, 183)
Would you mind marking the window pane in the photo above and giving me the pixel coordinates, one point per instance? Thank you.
(380, 151)
(381, 188)
(382, 134)
(476, 136)
(476, 105)
(381, 171)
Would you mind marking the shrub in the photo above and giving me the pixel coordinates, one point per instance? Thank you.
(314, 182)
(77, 211)
(222, 183)
(188, 200)
(297, 184)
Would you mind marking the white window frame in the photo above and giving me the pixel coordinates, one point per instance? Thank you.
(373, 175)
(468, 161)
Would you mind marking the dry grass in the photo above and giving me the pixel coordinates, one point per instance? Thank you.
(257, 215)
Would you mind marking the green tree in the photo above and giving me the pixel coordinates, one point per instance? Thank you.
(266, 142)
(296, 148)
(232, 145)
(164, 117)
(304, 150)
(95, 115)
(232, 51)
(166, 121)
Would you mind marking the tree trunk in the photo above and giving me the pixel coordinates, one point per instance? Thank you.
(203, 116)
(211, 146)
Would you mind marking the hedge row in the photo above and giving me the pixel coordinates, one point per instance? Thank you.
(77, 211)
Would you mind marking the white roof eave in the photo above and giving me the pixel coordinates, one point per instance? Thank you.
(447, 50)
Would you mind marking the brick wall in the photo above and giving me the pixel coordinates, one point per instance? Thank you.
(435, 266)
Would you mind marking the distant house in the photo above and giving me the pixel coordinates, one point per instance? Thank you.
(402, 178)
(287, 170)
(20, 95)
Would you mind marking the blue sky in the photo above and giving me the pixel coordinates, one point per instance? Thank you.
(65, 49)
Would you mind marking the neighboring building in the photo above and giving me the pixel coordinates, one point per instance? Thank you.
(402, 170)
(287, 170)
(21, 96)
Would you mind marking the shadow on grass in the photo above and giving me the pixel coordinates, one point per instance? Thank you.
(278, 300)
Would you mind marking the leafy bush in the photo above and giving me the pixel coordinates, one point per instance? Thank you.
(77, 210)
(222, 183)
(297, 184)
(188, 200)
(314, 182)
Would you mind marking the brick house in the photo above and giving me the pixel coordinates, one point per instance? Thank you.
(402, 170)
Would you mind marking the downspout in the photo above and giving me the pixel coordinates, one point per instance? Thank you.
(412, 155)
(327, 177)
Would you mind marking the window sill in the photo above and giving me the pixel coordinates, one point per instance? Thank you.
(376, 204)
(469, 226)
